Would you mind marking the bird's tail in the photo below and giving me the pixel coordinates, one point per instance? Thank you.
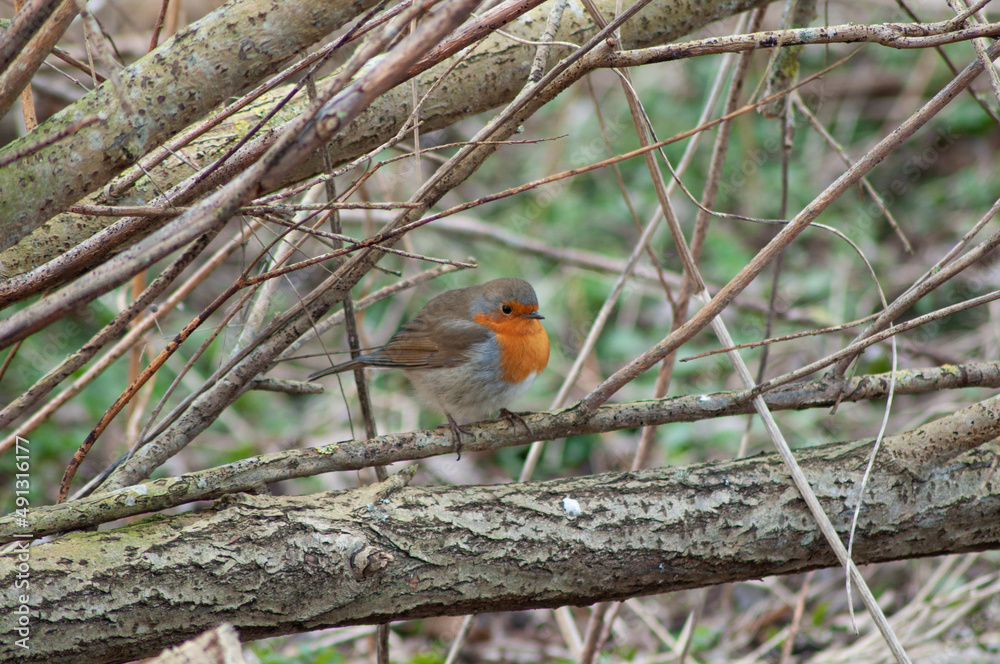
(337, 368)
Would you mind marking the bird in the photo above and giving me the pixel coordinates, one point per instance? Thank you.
(468, 352)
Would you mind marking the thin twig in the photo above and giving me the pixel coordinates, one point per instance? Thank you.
(854, 348)
(799, 223)
(120, 348)
(929, 282)
(895, 35)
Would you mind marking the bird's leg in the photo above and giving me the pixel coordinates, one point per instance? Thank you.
(514, 418)
(456, 433)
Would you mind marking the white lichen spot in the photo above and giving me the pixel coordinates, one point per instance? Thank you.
(572, 506)
(377, 512)
(134, 491)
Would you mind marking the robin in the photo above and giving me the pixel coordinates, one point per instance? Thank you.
(469, 352)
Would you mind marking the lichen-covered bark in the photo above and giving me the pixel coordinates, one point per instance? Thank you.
(179, 82)
(278, 565)
(927, 446)
(492, 75)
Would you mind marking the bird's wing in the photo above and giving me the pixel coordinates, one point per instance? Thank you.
(411, 347)
(421, 344)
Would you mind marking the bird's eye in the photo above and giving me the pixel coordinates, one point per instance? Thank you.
(506, 309)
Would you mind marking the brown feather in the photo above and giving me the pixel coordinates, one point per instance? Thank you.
(442, 332)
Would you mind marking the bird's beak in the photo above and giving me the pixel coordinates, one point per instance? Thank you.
(535, 315)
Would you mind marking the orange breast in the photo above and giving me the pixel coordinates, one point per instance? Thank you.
(523, 345)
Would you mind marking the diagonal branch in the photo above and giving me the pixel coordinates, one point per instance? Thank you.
(788, 233)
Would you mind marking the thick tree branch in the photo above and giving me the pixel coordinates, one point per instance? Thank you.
(924, 447)
(280, 565)
(183, 79)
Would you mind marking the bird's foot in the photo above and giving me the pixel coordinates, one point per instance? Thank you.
(514, 419)
(456, 434)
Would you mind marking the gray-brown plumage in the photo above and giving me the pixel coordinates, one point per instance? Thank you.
(469, 351)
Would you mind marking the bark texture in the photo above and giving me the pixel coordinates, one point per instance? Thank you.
(278, 565)
(192, 72)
